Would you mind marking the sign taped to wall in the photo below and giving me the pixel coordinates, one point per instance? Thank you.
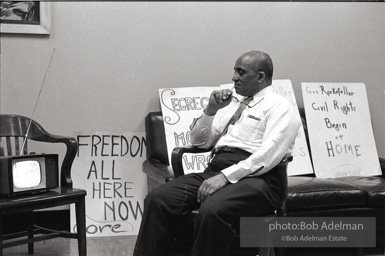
(108, 166)
(340, 130)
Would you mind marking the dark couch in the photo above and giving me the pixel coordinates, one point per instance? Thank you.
(308, 196)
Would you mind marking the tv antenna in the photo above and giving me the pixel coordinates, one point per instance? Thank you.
(37, 100)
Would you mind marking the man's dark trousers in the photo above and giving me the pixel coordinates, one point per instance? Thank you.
(168, 207)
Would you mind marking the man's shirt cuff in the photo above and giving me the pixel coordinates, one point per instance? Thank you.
(234, 173)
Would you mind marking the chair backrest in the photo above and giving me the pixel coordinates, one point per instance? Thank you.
(13, 129)
(156, 138)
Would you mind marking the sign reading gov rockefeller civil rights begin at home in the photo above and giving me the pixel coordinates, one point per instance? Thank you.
(340, 130)
(108, 166)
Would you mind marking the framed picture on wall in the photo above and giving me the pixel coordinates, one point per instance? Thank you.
(27, 17)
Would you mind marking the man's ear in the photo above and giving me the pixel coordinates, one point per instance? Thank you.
(261, 76)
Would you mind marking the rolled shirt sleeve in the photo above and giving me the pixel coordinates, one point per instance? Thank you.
(202, 134)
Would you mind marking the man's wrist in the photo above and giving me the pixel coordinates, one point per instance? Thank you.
(227, 180)
(209, 111)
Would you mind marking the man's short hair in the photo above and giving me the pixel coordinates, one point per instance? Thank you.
(263, 62)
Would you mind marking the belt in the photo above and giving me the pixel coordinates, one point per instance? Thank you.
(233, 150)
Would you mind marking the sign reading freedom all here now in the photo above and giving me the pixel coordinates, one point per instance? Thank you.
(340, 130)
(181, 105)
(108, 166)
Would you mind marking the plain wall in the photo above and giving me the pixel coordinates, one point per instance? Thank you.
(111, 58)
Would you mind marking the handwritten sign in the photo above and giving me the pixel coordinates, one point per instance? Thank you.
(340, 130)
(179, 107)
(301, 163)
(108, 167)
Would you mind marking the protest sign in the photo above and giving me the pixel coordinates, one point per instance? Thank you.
(340, 130)
(108, 166)
(179, 107)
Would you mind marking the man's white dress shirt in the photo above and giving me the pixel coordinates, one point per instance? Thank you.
(267, 130)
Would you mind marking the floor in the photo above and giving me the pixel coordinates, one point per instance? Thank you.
(97, 246)
(123, 246)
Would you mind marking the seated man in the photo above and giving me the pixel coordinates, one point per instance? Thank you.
(251, 133)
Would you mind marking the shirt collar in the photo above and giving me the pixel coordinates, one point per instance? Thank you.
(259, 95)
(265, 91)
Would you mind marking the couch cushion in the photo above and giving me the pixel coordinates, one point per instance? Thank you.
(310, 193)
(373, 186)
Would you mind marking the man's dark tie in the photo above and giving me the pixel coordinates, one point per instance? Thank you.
(232, 120)
(237, 114)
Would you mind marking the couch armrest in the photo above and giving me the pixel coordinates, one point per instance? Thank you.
(176, 157)
(158, 171)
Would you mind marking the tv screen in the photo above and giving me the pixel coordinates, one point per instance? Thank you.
(29, 173)
(26, 174)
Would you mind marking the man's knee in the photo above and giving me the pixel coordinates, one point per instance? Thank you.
(211, 210)
(155, 197)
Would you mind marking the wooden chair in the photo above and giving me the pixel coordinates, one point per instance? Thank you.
(12, 131)
(281, 168)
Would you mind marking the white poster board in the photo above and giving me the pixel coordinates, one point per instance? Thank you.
(179, 107)
(108, 166)
(301, 163)
(340, 130)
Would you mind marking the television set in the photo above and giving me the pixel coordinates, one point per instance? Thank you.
(28, 174)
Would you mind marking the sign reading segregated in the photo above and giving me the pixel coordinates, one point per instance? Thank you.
(340, 130)
(179, 107)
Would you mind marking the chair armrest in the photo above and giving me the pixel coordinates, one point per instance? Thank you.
(286, 160)
(158, 171)
(382, 164)
(282, 176)
(177, 154)
(72, 149)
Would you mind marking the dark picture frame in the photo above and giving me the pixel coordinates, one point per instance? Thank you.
(20, 12)
(27, 17)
